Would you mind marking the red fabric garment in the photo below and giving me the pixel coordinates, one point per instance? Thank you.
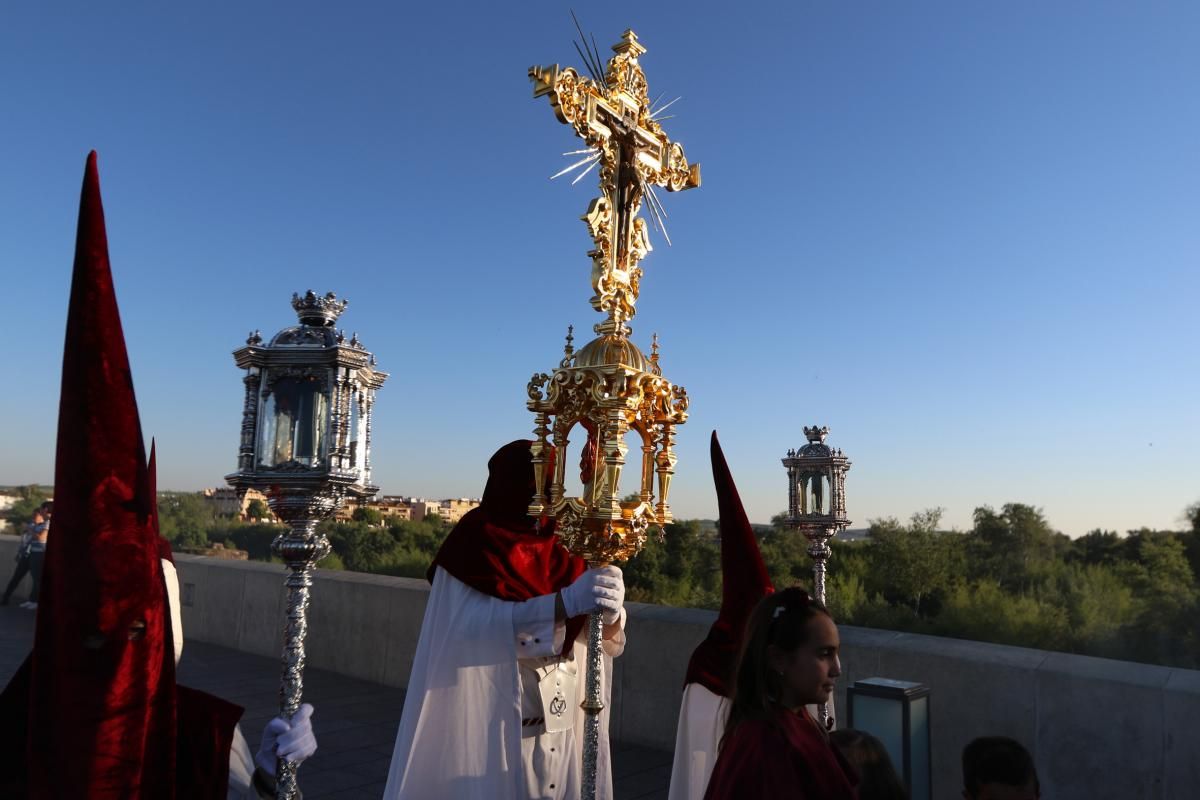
(202, 755)
(102, 683)
(498, 550)
(92, 711)
(744, 581)
(784, 756)
(14, 733)
(206, 725)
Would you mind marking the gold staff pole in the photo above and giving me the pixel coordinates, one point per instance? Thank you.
(609, 386)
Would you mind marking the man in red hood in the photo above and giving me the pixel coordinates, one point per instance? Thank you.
(95, 712)
(492, 710)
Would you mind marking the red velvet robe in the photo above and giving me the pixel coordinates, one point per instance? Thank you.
(786, 756)
(203, 740)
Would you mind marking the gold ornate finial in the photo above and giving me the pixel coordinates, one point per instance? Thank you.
(569, 347)
(654, 367)
(611, 111)
(629, 44)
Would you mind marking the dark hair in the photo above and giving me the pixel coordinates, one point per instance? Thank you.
(877, 778)
(779, 619)
(997, 759)
(48, 506)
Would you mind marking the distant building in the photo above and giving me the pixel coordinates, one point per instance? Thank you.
(453, 510)
(415, 509)
(7, 501)
(226, 503)
(422, 508)
(392, 507)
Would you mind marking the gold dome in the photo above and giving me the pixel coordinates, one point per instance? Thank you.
(608, 350)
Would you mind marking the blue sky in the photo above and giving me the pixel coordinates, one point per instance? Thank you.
(962, 235)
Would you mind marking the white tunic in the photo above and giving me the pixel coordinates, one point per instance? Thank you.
(472, 683)
(702, 716)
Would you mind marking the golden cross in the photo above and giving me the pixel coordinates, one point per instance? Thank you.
(612, 113)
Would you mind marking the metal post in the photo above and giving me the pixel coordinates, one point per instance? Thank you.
(819, 550)
(593, 704)
(301, 547)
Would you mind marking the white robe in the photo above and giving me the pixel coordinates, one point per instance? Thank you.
(702, 716)
(460, 735)
(241, 761)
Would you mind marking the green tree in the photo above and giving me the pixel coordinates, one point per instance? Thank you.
(1165, 588)
(681, 569)
(21, 512)
(785, 555)
(1015, 547)
(1099, 606)
(257, 509)
(361, 547)
(1192, 515)
(1097, 547)
(371, 516)
(184, 518)
(1191, 538)
(911, 562)
(255, 539)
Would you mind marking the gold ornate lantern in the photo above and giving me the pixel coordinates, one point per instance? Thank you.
(609, 387)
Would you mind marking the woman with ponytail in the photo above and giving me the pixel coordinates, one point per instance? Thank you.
(772, 747)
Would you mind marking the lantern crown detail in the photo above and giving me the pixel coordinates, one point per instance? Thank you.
(320, 312)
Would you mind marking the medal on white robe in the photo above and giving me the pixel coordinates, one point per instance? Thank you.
(556, 688)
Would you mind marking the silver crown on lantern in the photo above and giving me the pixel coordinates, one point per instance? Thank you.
(320, 312)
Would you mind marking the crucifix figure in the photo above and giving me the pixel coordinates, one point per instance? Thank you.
(612, 112)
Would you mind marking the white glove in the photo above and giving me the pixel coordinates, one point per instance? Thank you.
(292, 741)
(599, 588)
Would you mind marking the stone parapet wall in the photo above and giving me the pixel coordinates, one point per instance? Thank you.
(1098, 728)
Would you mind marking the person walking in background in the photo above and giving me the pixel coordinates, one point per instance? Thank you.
(39, 534)
(877, 778)
(772, 746)
(22, 557)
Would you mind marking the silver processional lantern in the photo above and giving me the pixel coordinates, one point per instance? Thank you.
(817, 498)
(306, 444)
(817, 507)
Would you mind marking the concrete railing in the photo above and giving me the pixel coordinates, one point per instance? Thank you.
(1098, 728)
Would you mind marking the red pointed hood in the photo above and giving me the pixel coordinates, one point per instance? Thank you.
(744, 581)
(102, 701)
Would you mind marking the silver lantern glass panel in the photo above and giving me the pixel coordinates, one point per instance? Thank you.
(305, 443)
(295, 423)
